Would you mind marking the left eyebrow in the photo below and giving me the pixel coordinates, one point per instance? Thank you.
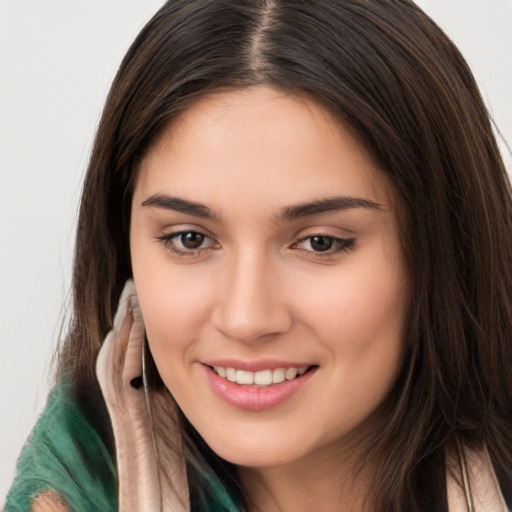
(329, 205)
(180, 205)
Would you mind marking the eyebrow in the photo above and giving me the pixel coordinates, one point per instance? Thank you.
(182, 206)
(287, 214)
(328, 205)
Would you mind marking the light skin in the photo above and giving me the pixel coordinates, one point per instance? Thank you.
(261, 230)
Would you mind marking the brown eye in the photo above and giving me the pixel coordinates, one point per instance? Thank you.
(324, 245)
(321, 243)
(191, 239)
(187, 243)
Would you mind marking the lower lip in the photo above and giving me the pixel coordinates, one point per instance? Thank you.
(253, 398)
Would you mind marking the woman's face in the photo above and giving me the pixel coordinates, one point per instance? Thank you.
(270, 277)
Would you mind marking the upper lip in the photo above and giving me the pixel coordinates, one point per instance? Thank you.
(256, 365)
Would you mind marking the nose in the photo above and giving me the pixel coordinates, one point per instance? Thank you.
(251, 304)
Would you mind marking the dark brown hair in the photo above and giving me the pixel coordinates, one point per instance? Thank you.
(388, 72)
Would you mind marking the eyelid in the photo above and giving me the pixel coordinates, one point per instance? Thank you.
(341, 244)
(168, 238)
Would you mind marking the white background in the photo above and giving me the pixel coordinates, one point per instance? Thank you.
(57, 59)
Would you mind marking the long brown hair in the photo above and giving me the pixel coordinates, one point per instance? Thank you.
(394, 77)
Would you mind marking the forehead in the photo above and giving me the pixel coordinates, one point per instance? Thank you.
(259, 140)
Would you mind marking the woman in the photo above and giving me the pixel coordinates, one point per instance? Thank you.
(306, 208)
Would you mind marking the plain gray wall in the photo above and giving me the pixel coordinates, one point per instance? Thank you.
(57, 59)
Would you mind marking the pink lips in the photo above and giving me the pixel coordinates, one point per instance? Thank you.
(252, 398)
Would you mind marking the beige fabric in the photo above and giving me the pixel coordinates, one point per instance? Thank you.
(49, 501)
(472, 484)
(119, 361)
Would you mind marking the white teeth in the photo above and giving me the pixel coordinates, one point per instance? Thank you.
(278, 375)
(261, 378)
(243, 377)
(220, 371)
(291, 373)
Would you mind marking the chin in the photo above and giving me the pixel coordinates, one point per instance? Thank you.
(253, 459)
(269, 452)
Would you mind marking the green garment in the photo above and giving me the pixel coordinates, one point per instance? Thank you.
(65, 454)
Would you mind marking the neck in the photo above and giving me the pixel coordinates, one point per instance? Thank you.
(326, 482)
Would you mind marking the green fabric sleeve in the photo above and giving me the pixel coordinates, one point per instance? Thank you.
(65, 454)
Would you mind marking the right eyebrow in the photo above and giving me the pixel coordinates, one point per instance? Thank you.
(180, 205)
(328, 205)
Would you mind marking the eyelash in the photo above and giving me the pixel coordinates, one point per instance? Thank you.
(168, 241)
(338, 244)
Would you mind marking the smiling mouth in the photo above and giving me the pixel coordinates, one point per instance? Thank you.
(263, 378)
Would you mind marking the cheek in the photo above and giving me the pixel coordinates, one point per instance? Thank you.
(360, 305)
(174, 306)
(363, 331)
